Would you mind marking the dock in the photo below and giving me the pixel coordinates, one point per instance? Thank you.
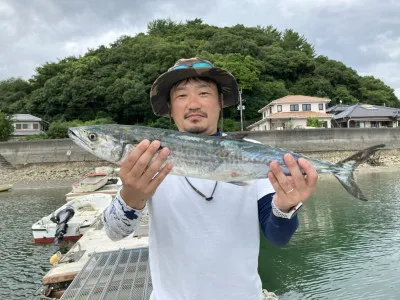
(94, 243)
(123, 274)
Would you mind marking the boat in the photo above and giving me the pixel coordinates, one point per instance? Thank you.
(5, 187)
(92, 182)
(72, 220)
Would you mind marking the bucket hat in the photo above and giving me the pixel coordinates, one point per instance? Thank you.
(189, 68)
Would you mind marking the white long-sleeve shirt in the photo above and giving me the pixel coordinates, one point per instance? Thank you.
(202, 250)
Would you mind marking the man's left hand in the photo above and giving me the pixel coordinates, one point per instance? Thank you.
(290, 190)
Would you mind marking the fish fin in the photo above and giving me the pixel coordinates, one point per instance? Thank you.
(5, 164)
(239, 183)
(344, 170)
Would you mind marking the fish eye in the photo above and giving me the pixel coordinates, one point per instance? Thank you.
(92, 136)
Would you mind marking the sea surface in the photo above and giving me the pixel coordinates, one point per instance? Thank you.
(22, 263)
(344, 248)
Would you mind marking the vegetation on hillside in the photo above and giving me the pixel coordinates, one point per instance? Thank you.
(114, 82)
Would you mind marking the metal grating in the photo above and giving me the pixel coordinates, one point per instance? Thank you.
(120, 274)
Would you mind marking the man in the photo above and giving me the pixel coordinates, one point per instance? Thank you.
(204, 235)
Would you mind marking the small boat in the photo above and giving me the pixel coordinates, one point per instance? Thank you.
(5, 187)
(90, 183)
(72, 220)
(110, 189)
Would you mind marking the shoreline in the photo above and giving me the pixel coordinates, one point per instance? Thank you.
(49, 175)
(52, 175)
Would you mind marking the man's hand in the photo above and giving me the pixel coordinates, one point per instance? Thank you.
(139, 177)
(290, 190)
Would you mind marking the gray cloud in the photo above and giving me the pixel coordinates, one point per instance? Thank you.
(364, 34)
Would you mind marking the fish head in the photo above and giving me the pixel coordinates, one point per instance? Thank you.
(100, 142)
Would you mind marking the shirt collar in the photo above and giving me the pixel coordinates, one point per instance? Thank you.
(218, 133)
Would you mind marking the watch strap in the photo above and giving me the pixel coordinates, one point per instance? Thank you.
(290, 214)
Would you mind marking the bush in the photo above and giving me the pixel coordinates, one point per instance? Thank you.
(163, 123)
(59, 129)
(6, 127)
(230, 126)
(40, 136)
(314, 122)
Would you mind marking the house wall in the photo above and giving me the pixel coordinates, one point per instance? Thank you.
(29, 125)
(279, 124)
(261, 126)
(368, 124)
(286, 108)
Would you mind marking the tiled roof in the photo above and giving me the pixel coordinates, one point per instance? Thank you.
(25, 117)
(298, 114)
(337, 108)
(300, 98)
(366, 110)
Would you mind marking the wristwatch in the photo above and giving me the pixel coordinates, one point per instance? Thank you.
(289, 215)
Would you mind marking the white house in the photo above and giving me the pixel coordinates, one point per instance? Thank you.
(292, 112)
(25, 124)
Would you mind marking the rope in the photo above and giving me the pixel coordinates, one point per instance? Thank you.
(200, 193)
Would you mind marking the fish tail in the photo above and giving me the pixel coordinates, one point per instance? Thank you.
(344, 170)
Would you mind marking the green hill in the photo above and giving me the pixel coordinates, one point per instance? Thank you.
(114, 81)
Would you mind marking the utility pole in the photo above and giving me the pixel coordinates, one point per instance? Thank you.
(241, 108)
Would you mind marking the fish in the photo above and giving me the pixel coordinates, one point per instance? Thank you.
(221, 158)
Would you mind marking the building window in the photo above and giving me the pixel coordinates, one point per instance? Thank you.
(306, 107)
(374, 124)
(25, 126)
(270, 109)
(294, 107)
(18, 126)
(321, 106)
(36, 126)
(360, 124)
(279, 108)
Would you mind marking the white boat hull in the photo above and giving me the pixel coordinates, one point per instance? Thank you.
(90, 183)
(88, 210)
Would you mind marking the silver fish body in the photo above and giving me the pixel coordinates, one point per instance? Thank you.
(209, 157)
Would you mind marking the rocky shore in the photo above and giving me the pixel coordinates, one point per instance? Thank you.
(64, 174)
(48, 175)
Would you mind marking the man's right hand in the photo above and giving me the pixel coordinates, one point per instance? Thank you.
(137, 173)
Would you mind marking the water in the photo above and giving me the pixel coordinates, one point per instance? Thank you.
(22, 263)
(344, 248)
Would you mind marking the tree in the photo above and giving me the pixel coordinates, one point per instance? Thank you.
(341, 93)
(115, 81)
(374, 91)
(6, 127)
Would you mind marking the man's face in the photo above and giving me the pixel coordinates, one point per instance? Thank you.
(195, 106)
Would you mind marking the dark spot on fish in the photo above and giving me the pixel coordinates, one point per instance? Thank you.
(235, 174)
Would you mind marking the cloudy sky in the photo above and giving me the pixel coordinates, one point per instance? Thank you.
(364, 34)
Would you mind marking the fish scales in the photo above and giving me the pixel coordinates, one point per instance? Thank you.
(210, 157)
